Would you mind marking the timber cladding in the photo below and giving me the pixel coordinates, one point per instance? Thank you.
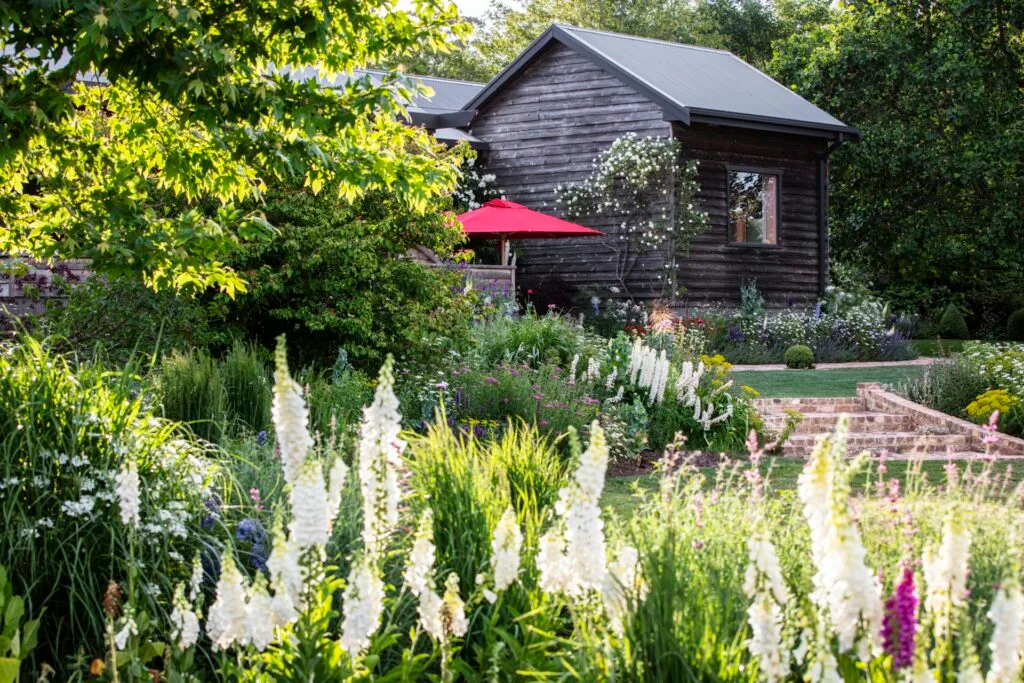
(545, 128)
(790, 272)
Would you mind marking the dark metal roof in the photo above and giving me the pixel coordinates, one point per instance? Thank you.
(689, 83)
(448, 95)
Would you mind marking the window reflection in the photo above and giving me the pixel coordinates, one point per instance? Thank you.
(753, 207)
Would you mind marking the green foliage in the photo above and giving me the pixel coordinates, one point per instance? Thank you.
(120, 318)
(191, 390)
(1015, 325)
(948, 386)
(798, 357)
(65, 433)
(952, 324)
(216, 397)
(17, 639)
(926, 204)
(530, 339)
(194, 111)
(335, 276)
(747, 28)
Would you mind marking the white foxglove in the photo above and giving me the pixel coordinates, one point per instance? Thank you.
(505, 548)
(766, 644)
(260, 623)
(1007, 634)
(285, 573)
(455, 621)
(621, 583)
(290, 416)
(380, 459)
(362, 607)
(184, 621)
(128, 493)
(311, 512)
(227, 622)
(844, 587)
(945, 574)
(336, 486)
(420, 567)
(552, 564)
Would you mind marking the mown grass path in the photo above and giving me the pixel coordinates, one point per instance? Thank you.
(794, 383)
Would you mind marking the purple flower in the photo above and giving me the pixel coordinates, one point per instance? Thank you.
(261, 438)
(442, 385)
(900, 622)
(491, 380)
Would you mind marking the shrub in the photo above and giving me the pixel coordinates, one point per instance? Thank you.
(122, 318)
(981, 408)
(65, 434)
(246, 377)
(948, 386)
(952, 324)
(1015, 326)
(336, 275)
(798, 356)
(530, 339)
(191, 390)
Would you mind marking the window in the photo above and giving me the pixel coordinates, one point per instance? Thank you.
(753, 207)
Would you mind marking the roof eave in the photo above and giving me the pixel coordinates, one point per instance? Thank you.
(838, 132)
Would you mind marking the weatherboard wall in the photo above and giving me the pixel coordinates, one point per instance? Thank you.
(791, 272)
(544, 129)
(548, 123)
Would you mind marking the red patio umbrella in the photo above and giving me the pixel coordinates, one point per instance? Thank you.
(503, 220)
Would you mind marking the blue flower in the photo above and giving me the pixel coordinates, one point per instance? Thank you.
(261, 438)
(250, 530)
(258, 556)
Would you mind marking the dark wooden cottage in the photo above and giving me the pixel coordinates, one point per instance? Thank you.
(762, 151)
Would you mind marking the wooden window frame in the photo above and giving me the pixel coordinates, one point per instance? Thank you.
(762, 170)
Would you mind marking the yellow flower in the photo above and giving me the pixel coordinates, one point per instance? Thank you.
(992, 400)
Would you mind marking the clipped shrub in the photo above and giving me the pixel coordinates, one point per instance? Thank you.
(952, 324)
(1015, 325)
(798, 357)
(65, 435)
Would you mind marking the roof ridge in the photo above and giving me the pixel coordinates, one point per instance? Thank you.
(421, 76)
(643, 39)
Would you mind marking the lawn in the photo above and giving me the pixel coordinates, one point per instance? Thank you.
(782, 474)
(790, 383)
(938, 348)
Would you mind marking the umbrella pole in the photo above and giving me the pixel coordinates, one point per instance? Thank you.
(501, 250)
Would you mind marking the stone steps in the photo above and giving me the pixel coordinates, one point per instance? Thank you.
(860, 421)
(801, 445)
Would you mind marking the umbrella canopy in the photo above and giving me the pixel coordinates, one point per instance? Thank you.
(503, 220)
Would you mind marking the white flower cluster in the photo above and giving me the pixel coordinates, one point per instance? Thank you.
(945, 574)
(571, 557)
(291, 419)
(765, 586)
(363, 606)
(505, 548)
(688, 386)
(440, 616)
(128, 493)
(1007, 633)
(380, 459)
(648, 369)
(845, 589)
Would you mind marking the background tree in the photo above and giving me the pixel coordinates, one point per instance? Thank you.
(197, 107)
(928, 204)
(748, 28)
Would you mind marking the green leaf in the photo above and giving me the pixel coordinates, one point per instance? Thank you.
(9, 669)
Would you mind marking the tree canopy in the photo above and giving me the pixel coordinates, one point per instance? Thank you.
(929, 202)
(187, 111)
(749, 28)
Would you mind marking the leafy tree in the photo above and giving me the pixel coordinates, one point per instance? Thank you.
(749, 28)
(197, 105)
(336, 276)
(928, 204)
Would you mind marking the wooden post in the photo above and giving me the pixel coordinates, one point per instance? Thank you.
(502, 258)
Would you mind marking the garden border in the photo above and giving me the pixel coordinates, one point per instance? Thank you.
(879, 399)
